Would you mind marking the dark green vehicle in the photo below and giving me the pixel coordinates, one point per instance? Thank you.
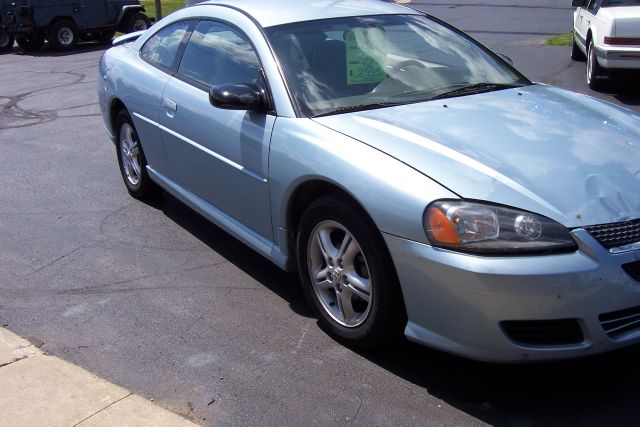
(65, 22)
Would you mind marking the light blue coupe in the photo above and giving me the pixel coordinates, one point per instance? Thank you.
(417, 181)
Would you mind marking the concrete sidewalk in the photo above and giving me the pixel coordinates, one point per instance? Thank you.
(38, 390)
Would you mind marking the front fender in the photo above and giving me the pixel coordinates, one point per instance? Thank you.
(126, 10)
(391, 192)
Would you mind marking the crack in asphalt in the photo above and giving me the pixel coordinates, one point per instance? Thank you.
(46, 293)
(12, 116)
(149, 276)
(144, 246)
(355, 416)
(110, 214)
(49, 264)
(51, 213)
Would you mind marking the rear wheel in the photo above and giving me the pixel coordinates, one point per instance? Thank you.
(595, 72)
(63, 35)
(6, 41)
(138, 22)
(30, 42)
(131, 159)
(347, 273)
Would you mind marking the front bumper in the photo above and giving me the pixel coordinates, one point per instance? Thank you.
(456, 302)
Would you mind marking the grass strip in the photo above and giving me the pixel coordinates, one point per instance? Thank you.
(560, 40)
(168, 6)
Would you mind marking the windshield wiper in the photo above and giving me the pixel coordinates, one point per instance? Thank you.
(359, 107)
(475, 88)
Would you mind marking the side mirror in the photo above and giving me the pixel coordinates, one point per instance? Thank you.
(506, 58)
(236, 97)
(578, 3)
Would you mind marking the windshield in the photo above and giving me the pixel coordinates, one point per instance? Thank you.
(357, 63)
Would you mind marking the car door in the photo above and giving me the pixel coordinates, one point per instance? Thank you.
(220, 155)
(590, 16)
(581, 25)
(93, 13)
(145, 80)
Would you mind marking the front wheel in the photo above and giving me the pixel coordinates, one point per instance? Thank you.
(347, 274)
(576, 53)
(595, 72)
(131, 159)
(6, 41)
(138, 22)
(31, 42)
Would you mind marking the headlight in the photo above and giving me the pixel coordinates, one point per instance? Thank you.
(489, 229)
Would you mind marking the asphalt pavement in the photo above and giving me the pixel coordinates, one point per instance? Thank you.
(157, 300)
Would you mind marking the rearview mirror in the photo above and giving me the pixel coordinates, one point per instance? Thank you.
(578, 3)
(236, 97)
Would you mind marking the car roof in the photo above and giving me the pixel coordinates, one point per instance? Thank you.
(270, 13)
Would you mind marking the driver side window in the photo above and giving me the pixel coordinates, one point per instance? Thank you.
(217, 54)
(594, 6)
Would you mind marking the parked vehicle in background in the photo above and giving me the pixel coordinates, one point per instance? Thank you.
(65, 22)
(607, 32)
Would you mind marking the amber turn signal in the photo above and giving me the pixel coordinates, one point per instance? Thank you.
(440, 228)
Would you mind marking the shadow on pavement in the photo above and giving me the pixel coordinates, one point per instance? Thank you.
(285, 285)
(597, 390)
(625, 87)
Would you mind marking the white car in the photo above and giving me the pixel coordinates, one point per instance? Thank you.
(607, 32)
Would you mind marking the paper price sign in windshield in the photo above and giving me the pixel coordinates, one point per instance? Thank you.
(366, 56)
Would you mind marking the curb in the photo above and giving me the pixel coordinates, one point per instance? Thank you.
(38, 389)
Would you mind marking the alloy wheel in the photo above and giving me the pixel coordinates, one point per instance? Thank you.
(130, 154)
(339, 274)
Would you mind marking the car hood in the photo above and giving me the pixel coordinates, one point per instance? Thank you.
(568, 156)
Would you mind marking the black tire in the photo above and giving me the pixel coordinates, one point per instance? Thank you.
(595, 73)
(63, 35)
(576, 53)
(30, 42)
(105, 36)
(138, 21)
(374, 322)
(141, 188)
(6, 41)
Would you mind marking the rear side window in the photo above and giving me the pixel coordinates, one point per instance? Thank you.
(216, 54)
(162, 47)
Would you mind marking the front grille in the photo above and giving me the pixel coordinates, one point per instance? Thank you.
(618, 323)
(544, 332)
(617, 233)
